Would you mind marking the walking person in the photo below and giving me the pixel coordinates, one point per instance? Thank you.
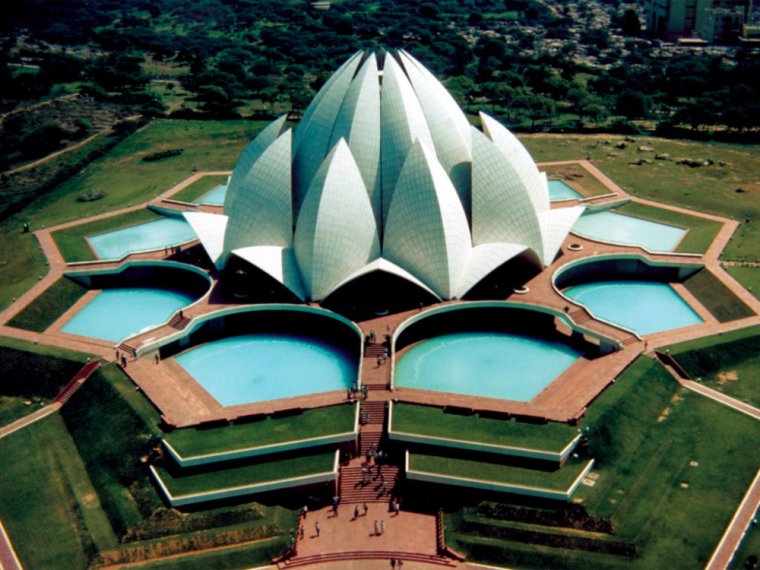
(316, 527)
(377, 529)
(366, 509)
(356, 512)
(382, 527)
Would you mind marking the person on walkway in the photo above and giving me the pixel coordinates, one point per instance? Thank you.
(382, 526)
(366, 509)
(302, 531)
(158, 359)
(123, 361)
(396, 508)
(304, 511)
(356, 512)
(393, 563)
(377, 529)
(316, 527)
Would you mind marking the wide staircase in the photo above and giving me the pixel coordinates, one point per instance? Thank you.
(179, 321)
(380, 486)
(367, 555)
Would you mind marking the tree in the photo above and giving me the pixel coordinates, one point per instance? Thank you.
(632, 104)
(631, 24)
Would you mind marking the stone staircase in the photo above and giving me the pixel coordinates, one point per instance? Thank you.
(76, 382)
(367, 555)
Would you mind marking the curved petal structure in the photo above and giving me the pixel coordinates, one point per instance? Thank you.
(336, 232)
(210, 229)
(265, 194)
(250, 155)
(359, 123)
(501, 209)
(278, 262)
(427, 229)
(448, 126)
(312, 138)
(403, 122)
(384, 174)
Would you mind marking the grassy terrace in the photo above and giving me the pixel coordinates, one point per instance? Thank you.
(432, 421)
(32, 373)
(558, 480)
(199, 188)
(73, 244)
(126, 179)
(701, 232)
(729, 363)
(749, 277)
(716, 297)
(645, 431)
(256, 554)
(318, 422)
(48, 307)
(729, 190)
(185, 482)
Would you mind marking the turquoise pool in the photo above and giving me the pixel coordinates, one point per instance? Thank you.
(558, 190)
(626, 230)
(259, 367)
(643, 306)
(117, 313)
(142, 237)
(490, 364)
(214, 197)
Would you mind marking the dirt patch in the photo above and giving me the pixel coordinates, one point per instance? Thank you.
(728, 376)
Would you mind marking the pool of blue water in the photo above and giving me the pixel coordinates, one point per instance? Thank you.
(643, 306)
(558, 190)
(259, 367)
(142, 237)
(117, 313)
(215, 197)
(627, 230)
(489, 364)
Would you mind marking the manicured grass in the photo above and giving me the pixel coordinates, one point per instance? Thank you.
(559, 479)
(38, 506)
(432, 421)
(199, 188)
(73, 244)
(577, 178)
(31, 372)
(253, 555)
(127, 180)
(701, 232)
(183, 482)
(730, 364)
(710, 189)
(646, 430)
(270, 430)
(716, 297)
(749, 277)
(48, 307)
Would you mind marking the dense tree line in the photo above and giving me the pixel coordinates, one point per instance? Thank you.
(489, 51)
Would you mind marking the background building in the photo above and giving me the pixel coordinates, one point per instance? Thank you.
(711, 20)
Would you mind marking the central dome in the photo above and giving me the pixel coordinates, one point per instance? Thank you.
(384, 173)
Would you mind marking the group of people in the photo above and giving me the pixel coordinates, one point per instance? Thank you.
(352, 393)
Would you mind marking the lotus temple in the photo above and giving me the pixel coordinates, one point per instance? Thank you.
(382, 264)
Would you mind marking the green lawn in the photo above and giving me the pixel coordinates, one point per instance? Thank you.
(32, 373)
(716, 297)
(222, 476)
(39, 506)
(432, 421)
(730, 363)
(199, 188)
(749, 277)
(701, 232)
(72, 242)
(710, 189)
(645, 431)
(48, 307)
(127, 180)
(317, 422)
(558, 480)
(253, 555)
